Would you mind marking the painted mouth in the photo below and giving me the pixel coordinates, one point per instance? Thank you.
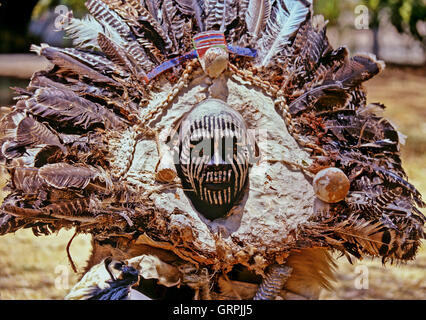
(216, 185)
(217, 177)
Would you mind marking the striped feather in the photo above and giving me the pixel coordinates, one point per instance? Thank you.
(84, 32)
(32, 132)
(284, 23)
(27, 180)
(66, 107)
(108, 17)
(148, 30)
(66, 63)
(95, 61)
(64, 175)
(145, 16)
(216, 15)
(258, 13)
(273, 282)
(174, 23)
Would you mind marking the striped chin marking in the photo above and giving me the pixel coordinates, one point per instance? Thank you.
(213, 157)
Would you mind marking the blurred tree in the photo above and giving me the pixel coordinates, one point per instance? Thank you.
(404, 15)
(45, 23)
(77, 6)
(14, 19)
(330, 9)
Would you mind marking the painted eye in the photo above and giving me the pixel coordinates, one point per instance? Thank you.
(197, 147)
(194, 143)
(229, 147)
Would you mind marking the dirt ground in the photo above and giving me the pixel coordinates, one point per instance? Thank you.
(38, 268)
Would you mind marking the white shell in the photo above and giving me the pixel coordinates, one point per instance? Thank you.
(331, 185)
(214, 61)
(165, 170)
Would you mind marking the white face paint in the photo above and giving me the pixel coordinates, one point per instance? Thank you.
(213, 157)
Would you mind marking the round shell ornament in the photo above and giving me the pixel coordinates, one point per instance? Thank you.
(214, 61)
(331, 185)
(165, 170)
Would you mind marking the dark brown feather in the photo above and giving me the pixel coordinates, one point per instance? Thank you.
(68, 208)
(30, 131)
(113, 52)
(27, 180)
(68, 109)
(69, 64)
(358, 69)
(119, 56)
(64, 175)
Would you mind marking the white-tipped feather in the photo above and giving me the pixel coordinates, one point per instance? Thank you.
(84, 32)
(280, 27)
(257, 15)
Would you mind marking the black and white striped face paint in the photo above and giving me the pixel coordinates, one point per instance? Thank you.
(214, 156)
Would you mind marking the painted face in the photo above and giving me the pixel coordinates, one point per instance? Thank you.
(213, 159)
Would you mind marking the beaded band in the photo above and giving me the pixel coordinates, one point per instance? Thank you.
(202, 42)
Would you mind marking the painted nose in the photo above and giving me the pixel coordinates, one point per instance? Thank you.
(217, 157)
(216, 160)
